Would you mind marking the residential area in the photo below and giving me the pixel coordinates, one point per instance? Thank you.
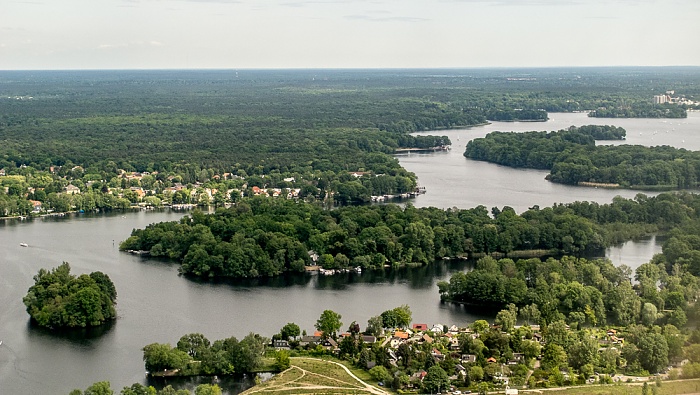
(430, 358)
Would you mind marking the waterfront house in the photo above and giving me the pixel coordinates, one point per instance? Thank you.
(36, 206)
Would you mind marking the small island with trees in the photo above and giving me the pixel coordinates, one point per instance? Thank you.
(59, 299)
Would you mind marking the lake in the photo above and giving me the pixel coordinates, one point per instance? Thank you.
(453, 180)
(155, 304)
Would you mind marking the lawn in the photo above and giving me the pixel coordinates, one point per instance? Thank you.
(313, 376)
(667, 388)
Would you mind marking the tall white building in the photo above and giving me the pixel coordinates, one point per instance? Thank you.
(660, 99)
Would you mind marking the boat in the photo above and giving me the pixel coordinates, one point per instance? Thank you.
(24, 244)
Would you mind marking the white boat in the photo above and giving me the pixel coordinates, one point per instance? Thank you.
(24, 244)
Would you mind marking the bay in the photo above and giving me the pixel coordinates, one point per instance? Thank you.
(451, 180)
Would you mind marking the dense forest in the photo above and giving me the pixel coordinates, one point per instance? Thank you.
(92, 129)
(267, 237)
(640, 110)
(572, 157)
(196, 355)
(58, 299)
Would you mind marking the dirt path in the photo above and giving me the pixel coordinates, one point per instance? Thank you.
(367, 387)
(359, 386)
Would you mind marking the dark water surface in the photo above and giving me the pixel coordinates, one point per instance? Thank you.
(155, 304)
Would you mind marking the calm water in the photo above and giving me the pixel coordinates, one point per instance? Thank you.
(157, 305)
(453, 180)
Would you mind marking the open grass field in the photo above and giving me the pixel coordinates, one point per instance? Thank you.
(667, 388)
(308, 376)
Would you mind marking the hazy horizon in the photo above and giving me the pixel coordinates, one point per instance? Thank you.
(344, 34)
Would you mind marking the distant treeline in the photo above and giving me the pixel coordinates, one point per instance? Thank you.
(517, 115)
(572, 157)
(640, 110)
(266, 237)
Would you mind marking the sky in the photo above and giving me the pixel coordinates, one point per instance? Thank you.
(241, 34)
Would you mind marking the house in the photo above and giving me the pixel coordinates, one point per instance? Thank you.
(461, 370)
(392, 355)
(491, 360)
(2, 172)
(72, 190)
(395, 342)
(36, 206)
(313, 255)
(309, 340)
(500, 379)
(517, 358)
(138, 191)
(437, 354)
(427, 338)
(437, 328)
(401, 335)
(420, 327)
(329, 344)
(369, 339)
(468, 358)
(454, 344)
(419, 376)
(617, 340)
(280, 344)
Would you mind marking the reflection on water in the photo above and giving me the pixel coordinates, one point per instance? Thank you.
(416, 277)
(76, 336)
(637, 252)
(233, 384)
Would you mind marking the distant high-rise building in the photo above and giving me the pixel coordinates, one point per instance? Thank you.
(660, 99)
